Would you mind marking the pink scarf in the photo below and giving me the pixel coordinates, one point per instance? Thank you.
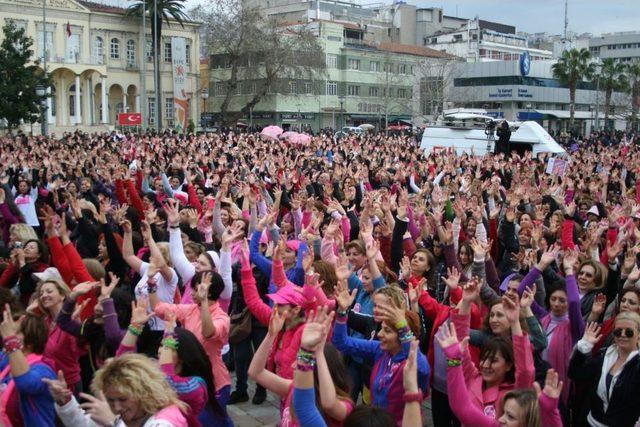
(559, 351)
(11, 385)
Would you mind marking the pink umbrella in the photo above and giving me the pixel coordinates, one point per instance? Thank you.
(288, 134)
(272, 132)
(301, 139)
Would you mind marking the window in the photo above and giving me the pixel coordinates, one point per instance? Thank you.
(353, 90)
(187, 53)
(374, 66)
(131, 53)
(168, 109)
(308, 88)
(152, 109)
(332, 60)
(167, 52)
(219, 89)
(402, 69)
(402, 93)
(98, 50)
(73, 48)
(149, 50)
(293, 87)
(115, 49)
(332, 88)
(49, 47)
(354, 64)
(374, 91)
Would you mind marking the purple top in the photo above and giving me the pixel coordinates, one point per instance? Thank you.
(575, 316)
(112, 332)
(9, 220)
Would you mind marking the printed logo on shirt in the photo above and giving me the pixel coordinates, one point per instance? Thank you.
(490, 411)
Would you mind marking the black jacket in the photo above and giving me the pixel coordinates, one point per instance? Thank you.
(624, 405)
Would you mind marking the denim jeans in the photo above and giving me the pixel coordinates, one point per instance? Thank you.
(243, 352)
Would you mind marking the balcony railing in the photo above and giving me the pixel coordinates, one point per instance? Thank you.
(77, 60)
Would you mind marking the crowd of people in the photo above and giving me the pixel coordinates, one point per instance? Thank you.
(353, 279)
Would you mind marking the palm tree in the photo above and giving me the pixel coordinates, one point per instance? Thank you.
(612, 78)
(167, 10)
(633, 76)
(573, 67)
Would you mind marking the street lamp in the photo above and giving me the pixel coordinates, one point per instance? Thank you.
(205, 95)
(341, 99)
(598, 64)
(41, 91)
(528, 111)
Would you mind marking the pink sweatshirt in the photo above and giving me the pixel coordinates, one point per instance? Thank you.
(189, 316)
(471, 415)
(489, 400)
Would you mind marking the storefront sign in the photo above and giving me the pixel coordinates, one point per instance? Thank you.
(524, 93)
(501, 93)
(294, 116)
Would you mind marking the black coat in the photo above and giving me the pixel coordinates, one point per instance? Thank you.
(624, 405)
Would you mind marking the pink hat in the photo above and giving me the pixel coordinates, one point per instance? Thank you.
(287, 295)
(294, 245)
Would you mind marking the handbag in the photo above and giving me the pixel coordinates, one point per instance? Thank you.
(240, 326)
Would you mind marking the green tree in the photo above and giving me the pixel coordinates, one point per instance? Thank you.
(166, 10)
(20, 75)
(612, 79)
(633, 77)
(573, 67)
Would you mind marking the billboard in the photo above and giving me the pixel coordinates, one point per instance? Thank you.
(179, 67)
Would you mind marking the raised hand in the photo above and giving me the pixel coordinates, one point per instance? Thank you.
(548, 257)
(106, 290)
(528, 296)
(83, 289)
(410, 370)
(316, 329)
(390, 314)
(447, 336)
(139, 313)
(511, 306)
(592, 333)
(276, 321)
(453, 278)
(405, 268)
(98, 409)
(471, 290)
(8, 327)
(599, 305)
(58, 389)
(173, 214)
(569, 261)
(343, 297)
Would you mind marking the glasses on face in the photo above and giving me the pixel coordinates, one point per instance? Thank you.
(628, 332)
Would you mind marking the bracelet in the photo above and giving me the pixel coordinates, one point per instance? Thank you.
(305, 367)
(135, 330)
(12, 345)
(454, 362)
(413, 397)
(342, 313)
(401, 324)
(406, 337)
(170, 342)
(174, 227)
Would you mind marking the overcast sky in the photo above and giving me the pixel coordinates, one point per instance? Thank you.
(594, 16)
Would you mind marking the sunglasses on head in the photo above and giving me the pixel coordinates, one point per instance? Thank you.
(628, 332)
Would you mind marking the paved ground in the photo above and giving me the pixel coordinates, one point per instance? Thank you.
(268, 414)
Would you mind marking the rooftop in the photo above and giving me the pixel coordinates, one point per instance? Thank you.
(414, 50)
(104, 8)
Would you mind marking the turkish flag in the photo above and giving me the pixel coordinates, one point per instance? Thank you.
(130, 119)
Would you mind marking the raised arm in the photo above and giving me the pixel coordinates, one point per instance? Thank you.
(127, 248)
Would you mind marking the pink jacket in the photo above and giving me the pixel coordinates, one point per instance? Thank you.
(285, 347)
(189, 316)
(490, 399)
(471, 415)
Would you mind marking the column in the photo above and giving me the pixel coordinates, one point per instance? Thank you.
(63, 111)
(137, 103)
(49, 112)
(105, 104)
(76, 101)
(88, 92)
(124, 102)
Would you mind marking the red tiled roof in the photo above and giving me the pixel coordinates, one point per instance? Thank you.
(414, 50)
(105, 8)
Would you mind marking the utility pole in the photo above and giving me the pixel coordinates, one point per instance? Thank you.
(143, 81)
(156, 66)
(566, 24)
(44, 119)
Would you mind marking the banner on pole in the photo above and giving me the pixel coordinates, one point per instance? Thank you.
(180, 99)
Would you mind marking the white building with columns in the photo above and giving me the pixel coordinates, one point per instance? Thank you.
(95, 58)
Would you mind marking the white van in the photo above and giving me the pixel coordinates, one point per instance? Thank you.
(529, 136)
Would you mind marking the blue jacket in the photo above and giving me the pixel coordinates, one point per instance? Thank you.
(36, 403)
(294, 274)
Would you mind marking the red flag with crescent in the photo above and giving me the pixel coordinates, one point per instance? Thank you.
(130, 119)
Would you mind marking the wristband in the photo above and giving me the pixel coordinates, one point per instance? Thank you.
(454, 362)
(305, 367)
(12, 345)
(401, 324)
(174, 227)
(135, 330)
(342, 313)
(413, 397)
(170, 342)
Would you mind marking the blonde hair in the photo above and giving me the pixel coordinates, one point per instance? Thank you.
(60, 286)
(629, 316)
(140, 377)
(164, 250)
(95, 268)
(23, 232)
